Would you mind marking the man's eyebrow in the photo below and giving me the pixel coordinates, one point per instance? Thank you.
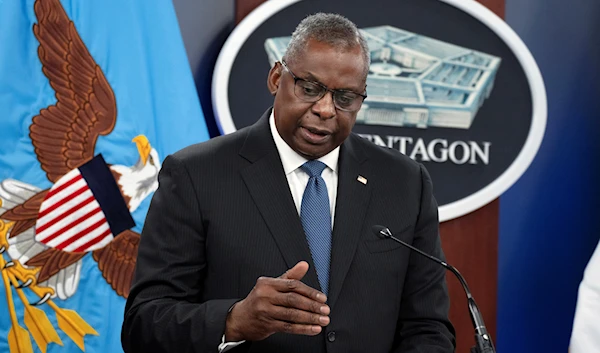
(310, 77)
(313, 78)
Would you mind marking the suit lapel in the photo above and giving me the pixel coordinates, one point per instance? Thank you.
(268, 186)
(352, 202)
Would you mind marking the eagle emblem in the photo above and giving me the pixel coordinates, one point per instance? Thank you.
(44, 234)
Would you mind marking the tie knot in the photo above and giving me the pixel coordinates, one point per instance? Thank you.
(313, 168)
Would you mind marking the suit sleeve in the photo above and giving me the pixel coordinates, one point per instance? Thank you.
(164, 311)
(423, 325)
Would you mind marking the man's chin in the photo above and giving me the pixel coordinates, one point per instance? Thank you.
(313, 152)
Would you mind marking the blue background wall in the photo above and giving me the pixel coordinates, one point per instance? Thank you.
(549, 218)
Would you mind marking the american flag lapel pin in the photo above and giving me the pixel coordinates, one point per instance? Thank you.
(362, 179)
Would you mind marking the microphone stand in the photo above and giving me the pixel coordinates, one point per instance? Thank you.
(483, 340)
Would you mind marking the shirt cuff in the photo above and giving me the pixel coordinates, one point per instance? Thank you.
(225, 346)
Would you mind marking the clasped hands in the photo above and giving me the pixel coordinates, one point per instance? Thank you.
(282, 304)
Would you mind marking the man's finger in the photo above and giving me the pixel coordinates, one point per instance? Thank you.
(298, 316)
(295, 286)
(290, 282)
(296, 329)
(302, 302)
(297, 272)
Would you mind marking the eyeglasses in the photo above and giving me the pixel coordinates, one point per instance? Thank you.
(310, 91)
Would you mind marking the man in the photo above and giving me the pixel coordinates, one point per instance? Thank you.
(585, 337)
(238, 251)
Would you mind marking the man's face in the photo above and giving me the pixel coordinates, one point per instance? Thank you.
(315, 129)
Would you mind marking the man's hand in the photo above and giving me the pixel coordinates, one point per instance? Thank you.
(282, 304)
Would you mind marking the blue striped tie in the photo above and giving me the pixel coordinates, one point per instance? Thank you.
(316, 220)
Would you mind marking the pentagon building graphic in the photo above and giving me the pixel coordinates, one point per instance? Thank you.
(417, 81)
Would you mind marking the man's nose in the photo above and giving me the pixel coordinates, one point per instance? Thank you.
(324, 107)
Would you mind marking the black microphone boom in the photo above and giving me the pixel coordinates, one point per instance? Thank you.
(483, 340)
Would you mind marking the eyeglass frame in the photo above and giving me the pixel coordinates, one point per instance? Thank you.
(326, 89)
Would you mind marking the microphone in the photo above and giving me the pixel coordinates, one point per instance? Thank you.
(483, 340)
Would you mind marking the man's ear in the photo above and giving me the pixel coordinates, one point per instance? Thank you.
(274, 78)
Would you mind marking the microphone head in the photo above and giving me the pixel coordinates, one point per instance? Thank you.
(381, 231)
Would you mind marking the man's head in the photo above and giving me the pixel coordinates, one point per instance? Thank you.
(320, 84)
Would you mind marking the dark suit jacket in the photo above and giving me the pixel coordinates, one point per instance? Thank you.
(224, 216)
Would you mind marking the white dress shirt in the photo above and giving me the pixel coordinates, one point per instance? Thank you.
(297, 180)
(585, 337)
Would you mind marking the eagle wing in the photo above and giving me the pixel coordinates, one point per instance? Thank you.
(64, 135)
(24, 215)
(19, 203)
(117, 261)
(52, 261)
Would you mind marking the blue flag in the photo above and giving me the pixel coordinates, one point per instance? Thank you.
(93, 96)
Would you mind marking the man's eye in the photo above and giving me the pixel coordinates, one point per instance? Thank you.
(310, 90)
(344, 100)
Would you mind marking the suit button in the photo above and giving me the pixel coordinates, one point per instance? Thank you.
(331, 336)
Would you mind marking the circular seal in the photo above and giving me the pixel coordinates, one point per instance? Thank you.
(451, 85)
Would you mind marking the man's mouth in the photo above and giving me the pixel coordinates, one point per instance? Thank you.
(314, 135)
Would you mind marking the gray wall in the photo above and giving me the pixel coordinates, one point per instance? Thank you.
(205, 25)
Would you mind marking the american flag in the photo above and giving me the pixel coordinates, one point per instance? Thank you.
(84, 210)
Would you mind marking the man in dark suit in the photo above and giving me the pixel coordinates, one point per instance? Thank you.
(261, 241)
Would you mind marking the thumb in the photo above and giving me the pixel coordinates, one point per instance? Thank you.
(297, 272)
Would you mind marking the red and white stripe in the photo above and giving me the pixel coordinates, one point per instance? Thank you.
(70, 218)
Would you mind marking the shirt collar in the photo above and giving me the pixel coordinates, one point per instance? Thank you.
(292, 160)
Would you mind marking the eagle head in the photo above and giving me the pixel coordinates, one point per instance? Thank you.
(140, 180)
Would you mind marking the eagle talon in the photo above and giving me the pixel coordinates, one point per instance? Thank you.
(2, 249)
(8, 264)
(42, 301)
(26, 283)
